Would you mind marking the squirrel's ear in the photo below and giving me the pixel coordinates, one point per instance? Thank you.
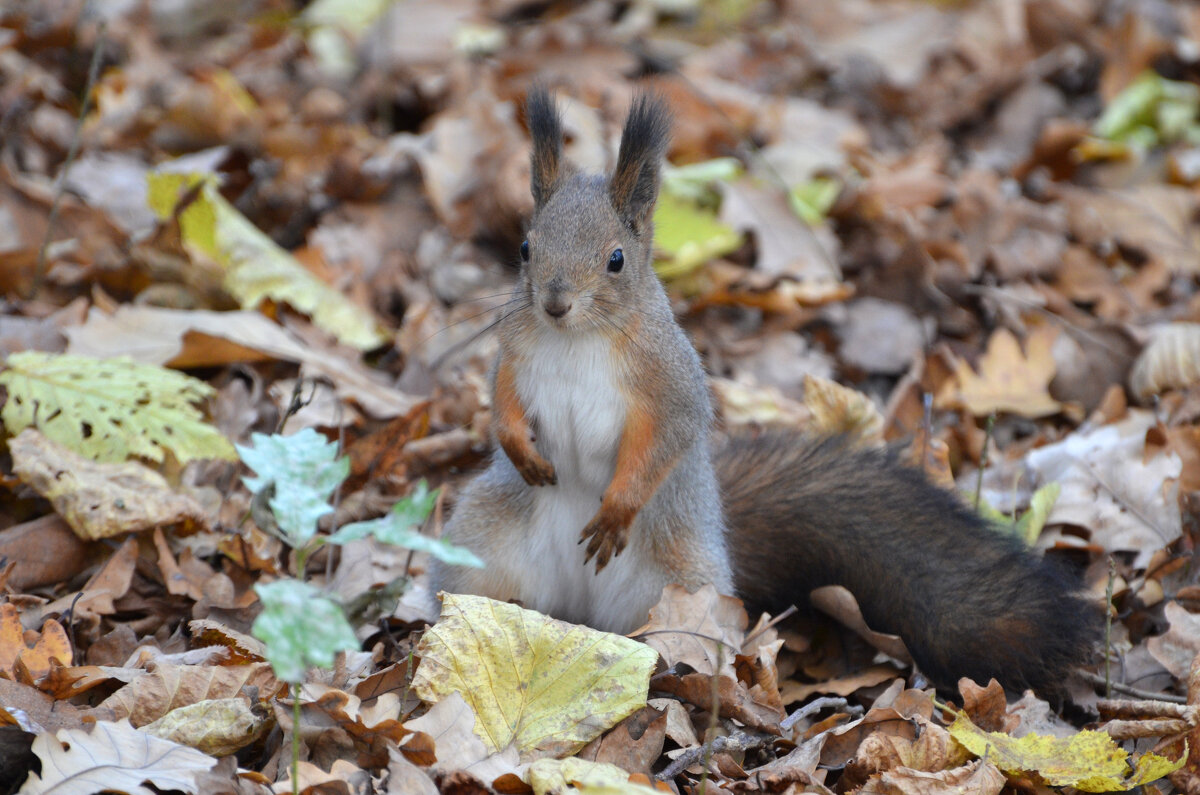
(634, 184)
(545, 127)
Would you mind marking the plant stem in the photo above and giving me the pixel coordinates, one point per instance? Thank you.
(39, 271)
(296, 738)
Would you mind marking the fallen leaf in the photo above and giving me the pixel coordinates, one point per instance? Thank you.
(1171, 360)
(100, 500)
(110, 410)
(545, 685)
(113, 755)
(840, 410)
(980, 777)
(33, 650)
(1008, 380)
(188, 339)
(255, 267)
(166, 688)
(704, 630)
(217, 727)
(451, 724)
(1089, 761)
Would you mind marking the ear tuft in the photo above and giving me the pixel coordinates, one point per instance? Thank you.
(545, 127)
(634, 184)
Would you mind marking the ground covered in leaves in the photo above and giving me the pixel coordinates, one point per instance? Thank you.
(968, 229)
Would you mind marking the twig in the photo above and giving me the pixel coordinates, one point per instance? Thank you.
(983, 459)
(39, 271)
(1108, 614)
(1098, 681)
(813, 707)
(738, 741)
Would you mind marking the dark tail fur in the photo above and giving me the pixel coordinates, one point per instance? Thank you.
(967, 599)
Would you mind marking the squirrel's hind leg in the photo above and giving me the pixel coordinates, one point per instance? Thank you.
(488, 518)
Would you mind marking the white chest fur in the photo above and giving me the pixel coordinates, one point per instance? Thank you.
(567, 385)
(568, 388)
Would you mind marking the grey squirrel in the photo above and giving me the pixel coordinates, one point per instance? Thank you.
(603, 421)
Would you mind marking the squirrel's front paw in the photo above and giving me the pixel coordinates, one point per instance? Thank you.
(608, 537)
(536, 470)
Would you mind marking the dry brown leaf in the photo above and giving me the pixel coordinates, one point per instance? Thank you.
(841, 604)
(32, 649)
(746, 404)
(633, 745)
(1008, 380)
(168, 687)
(1171, 360)
(451, 724)
(704, 630)
(837, 409)
(242, 648)
(751, 705)
(980, 777)
(44, 551)
(189, 338)
(1180, 644)
(100, 500)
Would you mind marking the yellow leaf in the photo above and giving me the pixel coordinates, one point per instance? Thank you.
(100, 500)
(1009, 380)
(217, 727)
(557, 775)
(256, 268)
(547, 686)
(1090, 760)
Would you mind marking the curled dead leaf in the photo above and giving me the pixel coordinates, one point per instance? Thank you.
(1170, 361)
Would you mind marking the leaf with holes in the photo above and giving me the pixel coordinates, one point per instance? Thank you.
(110, 409)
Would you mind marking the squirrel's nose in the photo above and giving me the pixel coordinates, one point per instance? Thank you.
(556, 306)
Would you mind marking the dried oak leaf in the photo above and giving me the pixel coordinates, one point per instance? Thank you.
(114, 756)
(33, 650)
(168, 687)
(1008, 380)
(704, 630)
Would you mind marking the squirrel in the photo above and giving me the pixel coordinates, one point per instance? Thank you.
(603, 422)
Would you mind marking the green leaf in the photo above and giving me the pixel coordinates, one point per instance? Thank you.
(811, 200)
(302, 628)
(1151, 111)
(304, 470)
(255, 267)
(399, 527)
(1029, 525)
(110, 409)
(687, 235)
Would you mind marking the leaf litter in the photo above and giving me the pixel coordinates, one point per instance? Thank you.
(967, 230)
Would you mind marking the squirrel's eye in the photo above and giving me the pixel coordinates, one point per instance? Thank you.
(525, 250)
(616, 261)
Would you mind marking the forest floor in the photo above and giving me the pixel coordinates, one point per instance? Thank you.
(969, 230)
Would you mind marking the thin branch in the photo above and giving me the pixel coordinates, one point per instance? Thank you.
(39, 272)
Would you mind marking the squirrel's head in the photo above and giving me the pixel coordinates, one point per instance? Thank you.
(587, 256)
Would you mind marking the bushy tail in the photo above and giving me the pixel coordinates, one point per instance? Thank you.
(967, 599)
